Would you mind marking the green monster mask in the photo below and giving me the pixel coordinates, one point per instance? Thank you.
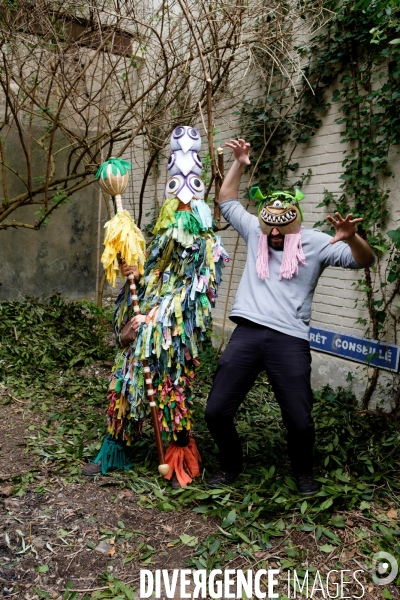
(278, 209)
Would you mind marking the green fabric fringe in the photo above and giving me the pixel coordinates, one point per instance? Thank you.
(190, 222)
(114, 455)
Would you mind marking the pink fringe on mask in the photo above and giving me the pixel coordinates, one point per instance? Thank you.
(262, 257)
(292, 255)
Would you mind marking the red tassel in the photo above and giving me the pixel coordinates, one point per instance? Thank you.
(184, 462)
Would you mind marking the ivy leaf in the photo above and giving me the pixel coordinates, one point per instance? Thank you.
(394, 235)
(42, 568)
(214, 546)
(229, 519)
(243, 536)
(327, 548)
(326, 504)
(189, 540)
(337, 521)
(42, 594)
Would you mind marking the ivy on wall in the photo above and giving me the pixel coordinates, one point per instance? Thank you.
(354, 61)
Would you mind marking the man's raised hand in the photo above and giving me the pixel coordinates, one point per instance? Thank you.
(240, 150)
(345, 229)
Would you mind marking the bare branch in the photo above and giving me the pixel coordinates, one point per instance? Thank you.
(82, 80)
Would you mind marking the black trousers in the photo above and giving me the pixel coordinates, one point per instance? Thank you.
(287, 362)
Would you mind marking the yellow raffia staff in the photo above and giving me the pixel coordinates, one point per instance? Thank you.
(123, 239)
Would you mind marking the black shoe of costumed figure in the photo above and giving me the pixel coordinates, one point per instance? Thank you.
(306, 484)
(222, 478)
(91, 469)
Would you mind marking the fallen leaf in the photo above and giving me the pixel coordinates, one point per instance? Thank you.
(11, 504)
(349, 523)
(261, 554)
(189, 540)
(7, 490)
(351, 554)
(392, 513)
(327, 548)
(111, 551)
(103, 548)
(370, 589)
(38, 542)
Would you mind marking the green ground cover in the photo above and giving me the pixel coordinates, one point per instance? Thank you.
(47, 354)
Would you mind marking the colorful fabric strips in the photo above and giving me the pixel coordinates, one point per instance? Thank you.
(177, 293)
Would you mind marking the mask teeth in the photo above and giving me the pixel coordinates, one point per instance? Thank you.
(281, 219)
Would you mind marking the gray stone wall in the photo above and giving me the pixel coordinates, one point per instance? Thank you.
(61, 256)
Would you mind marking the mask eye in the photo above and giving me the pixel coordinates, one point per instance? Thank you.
(178, 132)
(277, 204)
(197, 159)
(171, 161)
(194, 134)
(173, 185)
(196, 184)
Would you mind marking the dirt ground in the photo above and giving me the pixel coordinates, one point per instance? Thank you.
(58, 534)
(77, 531)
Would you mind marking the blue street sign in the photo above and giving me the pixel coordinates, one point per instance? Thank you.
(351, 347)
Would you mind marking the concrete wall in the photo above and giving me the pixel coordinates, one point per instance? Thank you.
(62, 255)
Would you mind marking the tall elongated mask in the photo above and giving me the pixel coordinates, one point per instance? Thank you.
(280, 210)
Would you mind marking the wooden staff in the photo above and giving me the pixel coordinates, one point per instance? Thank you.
(113, 178)
(218, 182)
(163, 467)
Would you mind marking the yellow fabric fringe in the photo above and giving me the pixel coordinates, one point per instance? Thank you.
(125, 239)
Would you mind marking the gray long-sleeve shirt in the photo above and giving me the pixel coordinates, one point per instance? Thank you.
(284, 305)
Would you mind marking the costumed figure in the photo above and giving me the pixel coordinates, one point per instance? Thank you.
(176, 294)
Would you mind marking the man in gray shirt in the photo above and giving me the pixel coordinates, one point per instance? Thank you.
(273, 315)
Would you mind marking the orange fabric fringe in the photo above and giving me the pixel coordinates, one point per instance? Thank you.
(184, 462)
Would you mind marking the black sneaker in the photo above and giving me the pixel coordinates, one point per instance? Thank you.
(91, 469)
(307, 485)
(222, 478)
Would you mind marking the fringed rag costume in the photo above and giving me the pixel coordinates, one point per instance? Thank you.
(177, 291)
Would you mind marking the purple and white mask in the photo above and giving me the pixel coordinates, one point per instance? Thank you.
(184, 162)
(185, 138)
(185, 187)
